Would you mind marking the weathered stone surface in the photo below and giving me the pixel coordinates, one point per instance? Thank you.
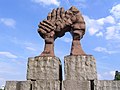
(76, 48)
(46, 85)
(106, 85)
(76, 85)
(48, 68)
(18, 85)
(11, 85)
(80, 68)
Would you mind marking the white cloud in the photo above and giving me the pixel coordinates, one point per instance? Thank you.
(108, 27)
(112, 73)
(104, 50)
(30, 48)
(109, 19)
(113, 32)
(115, 11)
(8, 22)
(96, 26)
(99, 34)
(106, 75)
(110, 32)
(109, 74)
(99, 76)
(2, 83)
(27, 45)
(47, 2)
(91, 25)
(93, 30)
(2, 87)
(8, 55)
(9, 67)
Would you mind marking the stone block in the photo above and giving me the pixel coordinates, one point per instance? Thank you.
(48, 68)
(46, 85)
(106, 85)
(80, 68)
(11, 85)
(76, 85)
(18, 85)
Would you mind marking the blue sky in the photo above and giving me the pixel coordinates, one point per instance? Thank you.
(19, 39)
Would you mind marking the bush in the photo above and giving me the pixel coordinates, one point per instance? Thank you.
(117, 75)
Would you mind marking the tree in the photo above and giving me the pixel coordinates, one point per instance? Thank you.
(117, 75)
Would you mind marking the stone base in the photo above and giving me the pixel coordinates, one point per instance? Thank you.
(46, 85)
(80, 68)
(66, 85)
(18, 85)
(33, 85)
(76, 85)
(47, 68)
(106, 85)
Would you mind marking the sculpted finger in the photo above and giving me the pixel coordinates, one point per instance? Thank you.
(47, 26)
(52, 34)
(41, 31)
(49, 16)
(68, 14)
(58, 14)
(74, 10)
(53, 14)
(49, 23)
(44, 28)
(62, 13)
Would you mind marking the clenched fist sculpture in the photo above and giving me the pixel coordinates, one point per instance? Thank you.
(59, 22)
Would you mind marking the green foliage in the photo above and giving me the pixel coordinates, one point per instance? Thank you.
(117, 75)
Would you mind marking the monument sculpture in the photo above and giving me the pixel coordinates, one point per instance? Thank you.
(44, 72)
(57, 24)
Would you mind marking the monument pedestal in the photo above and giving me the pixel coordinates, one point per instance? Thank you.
(80, 72)
(80, 68)
(44, 68)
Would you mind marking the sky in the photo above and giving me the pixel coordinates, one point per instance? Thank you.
(19, 39)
